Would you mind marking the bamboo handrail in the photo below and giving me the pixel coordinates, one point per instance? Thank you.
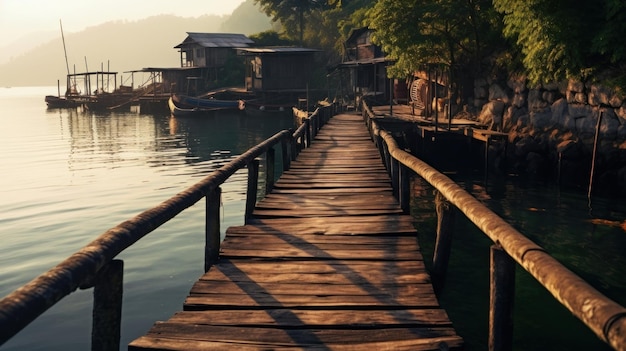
(606, 318)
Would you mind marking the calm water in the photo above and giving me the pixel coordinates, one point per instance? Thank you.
(70, 175)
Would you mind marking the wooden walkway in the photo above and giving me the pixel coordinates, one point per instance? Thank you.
(328, 262)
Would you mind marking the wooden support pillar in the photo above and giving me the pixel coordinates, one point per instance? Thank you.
(307, 132)
(270, 166)
(446, 213)
(107, 307)
(501, 293)
(395, 176)
(212, 230)
(487, 143)
(253, 184)
(285, 153)
(405, 189)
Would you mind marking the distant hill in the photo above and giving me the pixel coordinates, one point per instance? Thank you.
(121, 46)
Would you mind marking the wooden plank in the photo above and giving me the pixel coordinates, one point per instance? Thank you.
(335, 339)
(315, 318)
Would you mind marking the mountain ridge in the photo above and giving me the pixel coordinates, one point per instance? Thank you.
(122, 46)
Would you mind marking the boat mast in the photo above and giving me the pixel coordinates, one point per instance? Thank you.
(67, 65)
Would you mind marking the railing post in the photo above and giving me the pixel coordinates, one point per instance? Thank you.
(212, 230)
(386, 156)
(107, 307)
(405, 189)
(446, 212)
(314, 126)
(270, 166)
(307, 132)
(285, 151)
(395, 176)
(501, 297)
(253, 184)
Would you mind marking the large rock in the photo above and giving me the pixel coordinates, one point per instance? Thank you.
(492, 113)
(569, 149)
(575, 86)
(497, 93)
(609, 124)
(541, 119)
(517, 84)
(586, 126)
(599, 95)
(535, 100)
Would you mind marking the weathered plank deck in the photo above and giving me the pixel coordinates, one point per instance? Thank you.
(328, 262)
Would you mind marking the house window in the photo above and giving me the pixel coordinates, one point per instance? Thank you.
(200, 52)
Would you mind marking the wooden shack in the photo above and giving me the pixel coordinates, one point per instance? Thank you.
(210, 52)
(278, 69)
(367, 65)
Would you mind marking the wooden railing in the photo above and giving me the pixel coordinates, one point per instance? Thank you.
(95, 265)
(606, 318)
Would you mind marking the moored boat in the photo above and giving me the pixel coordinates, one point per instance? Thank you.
(53, 101)
(180, 111)
(190, 102)
(184, 105)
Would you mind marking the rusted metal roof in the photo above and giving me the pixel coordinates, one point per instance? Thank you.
(277, 50)
(215, 40)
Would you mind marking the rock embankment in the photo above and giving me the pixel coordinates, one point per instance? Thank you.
(552, 129)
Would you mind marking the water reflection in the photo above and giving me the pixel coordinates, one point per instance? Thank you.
(556, 219)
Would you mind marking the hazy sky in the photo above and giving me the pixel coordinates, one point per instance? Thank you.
(22, 16)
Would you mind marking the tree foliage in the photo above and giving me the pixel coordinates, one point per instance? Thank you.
(292, 13)
(562, 39)
(448, 32)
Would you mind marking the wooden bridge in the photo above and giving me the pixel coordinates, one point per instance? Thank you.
(328, 261)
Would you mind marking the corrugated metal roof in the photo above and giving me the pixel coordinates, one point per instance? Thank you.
(215, 40)
(277, 50)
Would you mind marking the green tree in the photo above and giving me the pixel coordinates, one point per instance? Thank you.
(270, 38)
(291, 13)
(447, 32)
(562, 39)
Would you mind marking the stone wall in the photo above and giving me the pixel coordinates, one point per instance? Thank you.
(552, 127)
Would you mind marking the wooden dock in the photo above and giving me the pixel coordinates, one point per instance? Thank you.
(327, 262)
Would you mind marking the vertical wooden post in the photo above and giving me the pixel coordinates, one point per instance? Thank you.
(487, 143)
(405, 189)
(212, 230)
(107, 307)
(270, 165)
(395, 176)
(285, 153)
(502, 292)
(253, 184)
(386, 156)
(315, 126)
(446, 213)
(308, 132)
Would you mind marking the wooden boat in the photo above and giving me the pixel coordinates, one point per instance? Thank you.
(262, 107)
(190, 102)
(53, 101)
(180, 111)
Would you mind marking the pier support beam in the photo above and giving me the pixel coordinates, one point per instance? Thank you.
(107, 307)
(212, 230)
(253, 184)
(446, 213)
(501, 294)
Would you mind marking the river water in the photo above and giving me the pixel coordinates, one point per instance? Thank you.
(69, 175)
